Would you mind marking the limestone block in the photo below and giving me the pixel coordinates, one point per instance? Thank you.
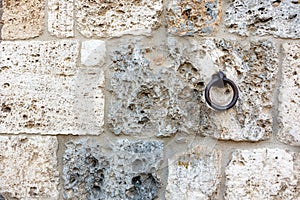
(1, 21)
(127, 170)
(22, 19)
(148, 99)
(44, 92)
(289, 98)
(115, 18)
(278, 18)
(60, 18)
(263, 174)
(28, 167)
(252, 66)
(186, 17)
(93, 53)
(194, 175)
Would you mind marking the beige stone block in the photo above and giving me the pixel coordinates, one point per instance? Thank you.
(93, 53)
(28, 167)
(190, 18)
(115, 18)
(43, 91)
(252, 66)
(289, 98)
(263, 174)
(22, 19)
(60, 18)
(194, 175)
(255, 17)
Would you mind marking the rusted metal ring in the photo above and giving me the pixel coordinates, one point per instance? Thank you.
(215, 82)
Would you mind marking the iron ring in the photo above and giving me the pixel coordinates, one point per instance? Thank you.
(226, 81)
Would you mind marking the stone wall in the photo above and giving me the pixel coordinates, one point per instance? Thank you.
(103, 99)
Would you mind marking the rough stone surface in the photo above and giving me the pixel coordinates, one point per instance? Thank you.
(60, 18)
(263, 174)
(28, 167)
(42, 90)
(194, 175)
(22, 19)
(1, 21)
(93, 53)
(103, 18)
(127, 171)
(289, 98)
(275, 17)
(252, 66)
(186, 17)
(149, 101)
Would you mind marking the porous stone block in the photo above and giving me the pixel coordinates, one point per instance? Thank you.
(43, 91)
(278, 18)
(115, 18)
(60, 18)
(252, 66)
(127, 170)
(263, 174)
(194, 175)
(1, 21)
(148, 98)
(28, 167)
(188, 18)
(22, 19)
(93, 53)
(289, 98)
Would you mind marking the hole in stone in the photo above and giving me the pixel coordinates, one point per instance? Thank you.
(33, 191)
(6, 85)
(136, 181)
(144, 120)
(294, 73)
(25, 117)
(6, 108)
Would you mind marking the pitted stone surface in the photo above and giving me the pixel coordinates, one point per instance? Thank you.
(44, 92)
(186, 17)
(252, 66)
(126, 171)
(22, 19)
(93, 53)
(275, 17)
(148, 101)
(28, 167)
(60, 18)
(289, 98)
(103, 18)
(194, 175)
(263, 174)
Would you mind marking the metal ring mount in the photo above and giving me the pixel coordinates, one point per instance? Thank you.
(219, 80)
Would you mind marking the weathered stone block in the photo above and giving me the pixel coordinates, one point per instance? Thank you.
(22, 19)
(93, 53)
(60, 18)
(129, 171)
(148, 99)
(278, 18)
(289, 98)
(115, 18)
(252, 66)
(194, 175)
(44, 92)
(190, 18)
(263, 174)
(28, 167)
